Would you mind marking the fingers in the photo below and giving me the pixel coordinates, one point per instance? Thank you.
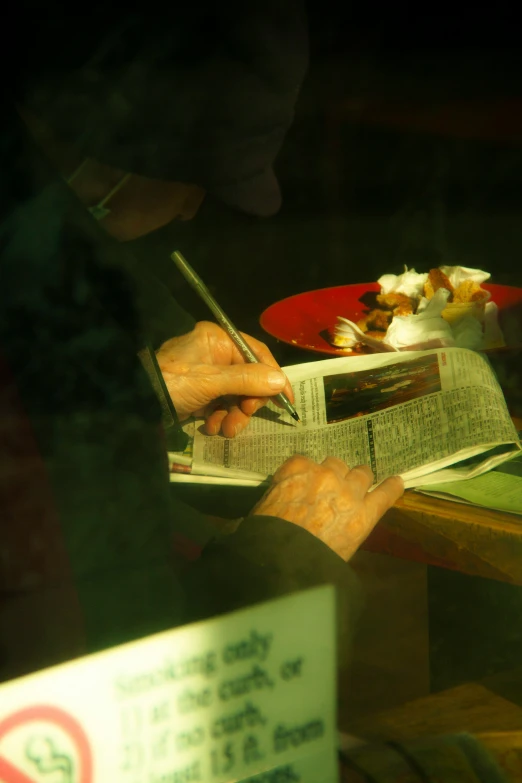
(383, 497)
(375, 505)
(235, 422)
(337, 465)
(214, 421)
(228, 351)
(265, 356)
(360, 479)
(229, 420)
(261, 351)
(294, 466)
(251, 405)
(222, 351)
(357, 480)
(247, 380)
(299, 464)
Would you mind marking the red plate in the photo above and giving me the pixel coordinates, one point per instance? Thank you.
(301, 320)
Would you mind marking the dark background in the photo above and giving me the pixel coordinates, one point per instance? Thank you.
(406, 149)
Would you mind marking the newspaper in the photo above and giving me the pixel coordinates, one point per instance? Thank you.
(500, 489)
(413, 414)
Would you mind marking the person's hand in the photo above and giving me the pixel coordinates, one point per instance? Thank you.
(329, 500)
(207, 376)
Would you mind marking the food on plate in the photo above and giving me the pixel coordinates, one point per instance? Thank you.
(469, 291)
(437, 279)
(399, 304)
(376, 320)
(445, 306)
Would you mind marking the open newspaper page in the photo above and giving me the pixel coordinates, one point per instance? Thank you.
(413, 414)
(500, 489)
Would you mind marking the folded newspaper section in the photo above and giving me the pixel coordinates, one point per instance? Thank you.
(416, 414)
(500, 489)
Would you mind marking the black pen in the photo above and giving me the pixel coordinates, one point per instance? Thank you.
(198, 285)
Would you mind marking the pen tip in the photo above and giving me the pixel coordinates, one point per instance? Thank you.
(296, 417)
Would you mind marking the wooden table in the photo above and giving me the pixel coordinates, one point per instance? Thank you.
(451, 535)
(469, 708)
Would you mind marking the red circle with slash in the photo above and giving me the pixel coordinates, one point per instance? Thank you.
(9, 773)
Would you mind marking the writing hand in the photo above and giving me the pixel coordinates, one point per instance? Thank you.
(207, 376)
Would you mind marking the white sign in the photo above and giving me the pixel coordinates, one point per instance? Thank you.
(247, 696)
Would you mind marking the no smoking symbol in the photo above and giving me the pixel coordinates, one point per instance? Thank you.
(39, 730)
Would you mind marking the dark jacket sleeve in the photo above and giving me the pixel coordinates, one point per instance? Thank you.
(99, 518)
(265, 558)
(68, 336)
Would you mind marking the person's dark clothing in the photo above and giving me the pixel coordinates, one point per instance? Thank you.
(202, 93)
(88, 522)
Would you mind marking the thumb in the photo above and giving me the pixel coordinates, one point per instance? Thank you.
(248, 380)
